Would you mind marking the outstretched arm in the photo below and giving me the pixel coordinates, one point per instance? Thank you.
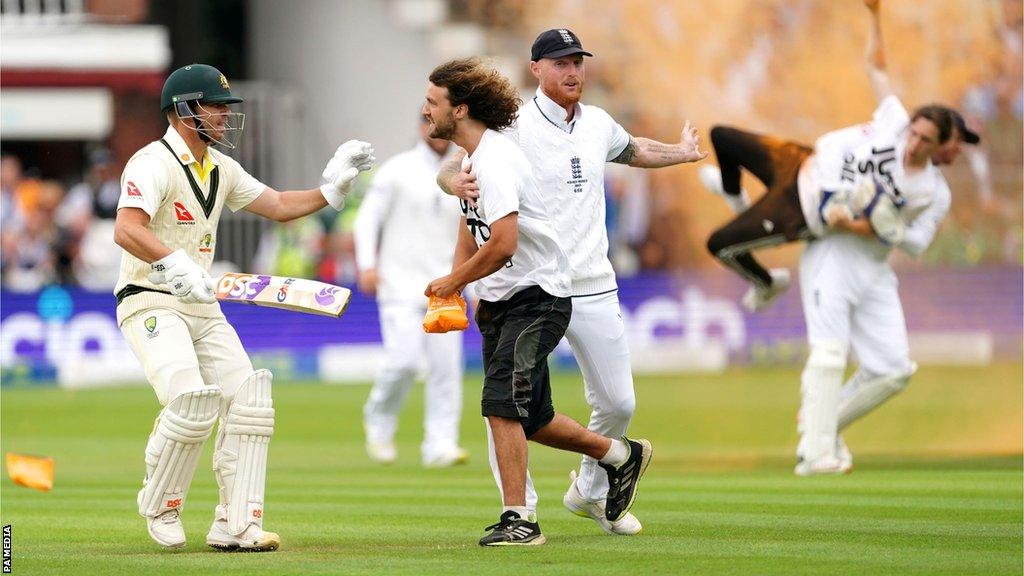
(647, 153)
(875, 54)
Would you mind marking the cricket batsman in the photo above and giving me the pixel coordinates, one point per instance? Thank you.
(172, 193)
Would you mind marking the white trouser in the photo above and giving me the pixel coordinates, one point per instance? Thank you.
(598, 340)
(183, 353)
(850, 295)
(185, 358)
(406, 346)
(851, 301)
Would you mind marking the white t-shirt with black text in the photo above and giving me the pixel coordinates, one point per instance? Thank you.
(506, 184)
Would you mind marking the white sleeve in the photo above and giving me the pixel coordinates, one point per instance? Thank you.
(921, 231)
(500, 185)
(890, 115)
(143, 184)
(373, 213)
(618, 138)
(244, 187)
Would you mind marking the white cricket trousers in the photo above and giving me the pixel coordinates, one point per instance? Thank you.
(407, 347)
(850, 296)
(597, 336)
(181, 353)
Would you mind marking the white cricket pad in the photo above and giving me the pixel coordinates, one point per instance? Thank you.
(240, 456)
(863, 394)
(174, 447)
(820, 382)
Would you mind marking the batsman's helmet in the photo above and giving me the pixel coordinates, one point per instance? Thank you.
(189, 87)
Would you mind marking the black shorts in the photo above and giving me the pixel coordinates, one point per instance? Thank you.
(518, 335)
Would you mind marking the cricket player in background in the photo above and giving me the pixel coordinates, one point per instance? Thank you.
(508, 243)
(567, 144)
(405, 236)
(858, 194)
(172, 194)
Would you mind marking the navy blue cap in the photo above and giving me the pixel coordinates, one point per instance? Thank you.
(556, 43)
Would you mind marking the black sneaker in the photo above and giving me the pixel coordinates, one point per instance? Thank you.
(512, 530)
(622, 481)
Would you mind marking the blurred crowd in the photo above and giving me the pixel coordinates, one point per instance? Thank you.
(52, 234)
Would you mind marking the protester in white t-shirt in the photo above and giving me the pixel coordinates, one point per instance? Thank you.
(568, 144)
(508, 245)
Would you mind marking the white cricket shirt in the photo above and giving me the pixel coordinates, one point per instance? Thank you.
(875, 149)
(568, 160)
(506, 184)
(407, 226)
(184, 207)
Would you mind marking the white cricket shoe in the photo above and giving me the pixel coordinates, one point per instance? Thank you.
(166, 529)
(381, 452)
(826, 465)
(843, 455)
(711, 178)
(757, 299)
(580, 506)
(453, 457)
(252, 539)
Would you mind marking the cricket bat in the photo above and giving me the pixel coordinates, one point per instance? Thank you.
(296, 294)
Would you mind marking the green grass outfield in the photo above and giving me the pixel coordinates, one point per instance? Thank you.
(937, 487)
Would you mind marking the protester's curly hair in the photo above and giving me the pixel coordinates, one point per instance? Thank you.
(490, 96)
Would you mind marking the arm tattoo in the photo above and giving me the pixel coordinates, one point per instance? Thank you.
(628, 153)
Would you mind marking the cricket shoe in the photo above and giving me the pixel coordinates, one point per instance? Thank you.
(844, 455)
(824, 466)
(580, 506)
(757, 299)
(381, 452)
(623, 480)
(512, 530)
(711, 178)
(252, 539)
(453, 457)
(166, 529)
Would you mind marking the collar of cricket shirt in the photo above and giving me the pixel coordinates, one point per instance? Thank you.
(554, 113)
(184, 155)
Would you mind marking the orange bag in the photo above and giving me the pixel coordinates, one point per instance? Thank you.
(445, 314)
(31, 471)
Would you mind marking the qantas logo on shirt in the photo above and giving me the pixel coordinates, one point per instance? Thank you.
(133, 190)
(183, 215)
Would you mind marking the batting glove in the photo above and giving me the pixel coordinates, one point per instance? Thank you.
(186, 279)
(348, 161)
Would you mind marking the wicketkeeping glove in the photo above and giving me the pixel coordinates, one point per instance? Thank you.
(883, 212)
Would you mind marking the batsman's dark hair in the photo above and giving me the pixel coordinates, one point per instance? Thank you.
(491, 98)
(940, 116)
